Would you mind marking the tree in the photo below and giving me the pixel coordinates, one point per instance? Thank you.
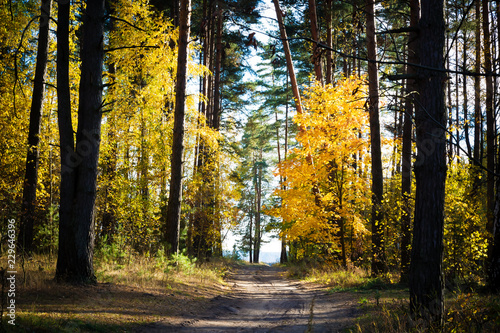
(378, 260)
(332, 123)
(175, 195)
(79, 162)
(288, 57)
(31, 176)
(426, 276)
(406, 155)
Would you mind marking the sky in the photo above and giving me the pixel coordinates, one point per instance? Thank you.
(266, 8)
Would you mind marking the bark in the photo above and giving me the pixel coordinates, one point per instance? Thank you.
(175, 194)
(329, 41)
(284, 256)
(494, 250)
(250, 235)
(315, 36)
(426, 276)
(258, 199)
(465, 98)
(288, 56)
(477, 87)
(218, 64)
(110, 159)
(25, 238)
(406, 174)
(68, 157)
(76, 242)
(378, 256)
(490, 119)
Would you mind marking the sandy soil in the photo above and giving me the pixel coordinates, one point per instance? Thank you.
(261, 299)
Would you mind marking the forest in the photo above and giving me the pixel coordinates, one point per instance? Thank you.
(360, 133)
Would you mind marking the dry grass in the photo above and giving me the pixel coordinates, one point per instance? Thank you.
(128, 294)
(385, 304)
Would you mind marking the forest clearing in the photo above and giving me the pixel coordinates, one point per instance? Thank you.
(147, 147)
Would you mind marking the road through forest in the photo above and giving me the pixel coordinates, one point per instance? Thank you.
(261, 299)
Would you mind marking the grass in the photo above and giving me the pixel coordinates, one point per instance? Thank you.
(385, 303)
(130, 292)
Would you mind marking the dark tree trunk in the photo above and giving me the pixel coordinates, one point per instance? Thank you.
(218, 65)
(79, 173)
(315, 36)
(175, 195)
(110, 159)
(407, 149)
(25, 239)
(494, 250)
(329, 68)
(250, 236)
(426, 276)
(378, 256)
(478, 124)
(490, 120)
(258, 193)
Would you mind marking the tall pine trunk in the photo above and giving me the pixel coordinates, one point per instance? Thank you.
(79, 163)
(315, 36)
(426, 275)
(490, 122)
(406, 158)
(478, 124)
(378, 256)
(28, 206)
(288, 57)
(175, 194)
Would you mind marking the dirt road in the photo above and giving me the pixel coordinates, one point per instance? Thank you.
(262, 300)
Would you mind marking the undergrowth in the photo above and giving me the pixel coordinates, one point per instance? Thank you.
(384, 304)
(132, 289)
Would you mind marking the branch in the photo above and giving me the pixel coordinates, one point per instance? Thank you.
(132, 47)
(398, 31)
(126, 22)
(322, 45)
(397, 77)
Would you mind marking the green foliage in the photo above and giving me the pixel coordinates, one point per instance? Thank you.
(47, 233)
(465, 236)
(109, 253)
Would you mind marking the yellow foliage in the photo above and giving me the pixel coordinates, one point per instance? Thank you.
(324, 178)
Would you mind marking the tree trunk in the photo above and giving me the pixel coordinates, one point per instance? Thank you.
(25, 239)
(316, 54)
(406, 157)
(329, 41)
(465, 93)
(490, 120)
(79, 176)
(258, 194)
(378, 256)
(218, 64)
(288, 56)
(494, 248)
(250, 236)
(478, 124)
(426, 276)
(175, 194)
